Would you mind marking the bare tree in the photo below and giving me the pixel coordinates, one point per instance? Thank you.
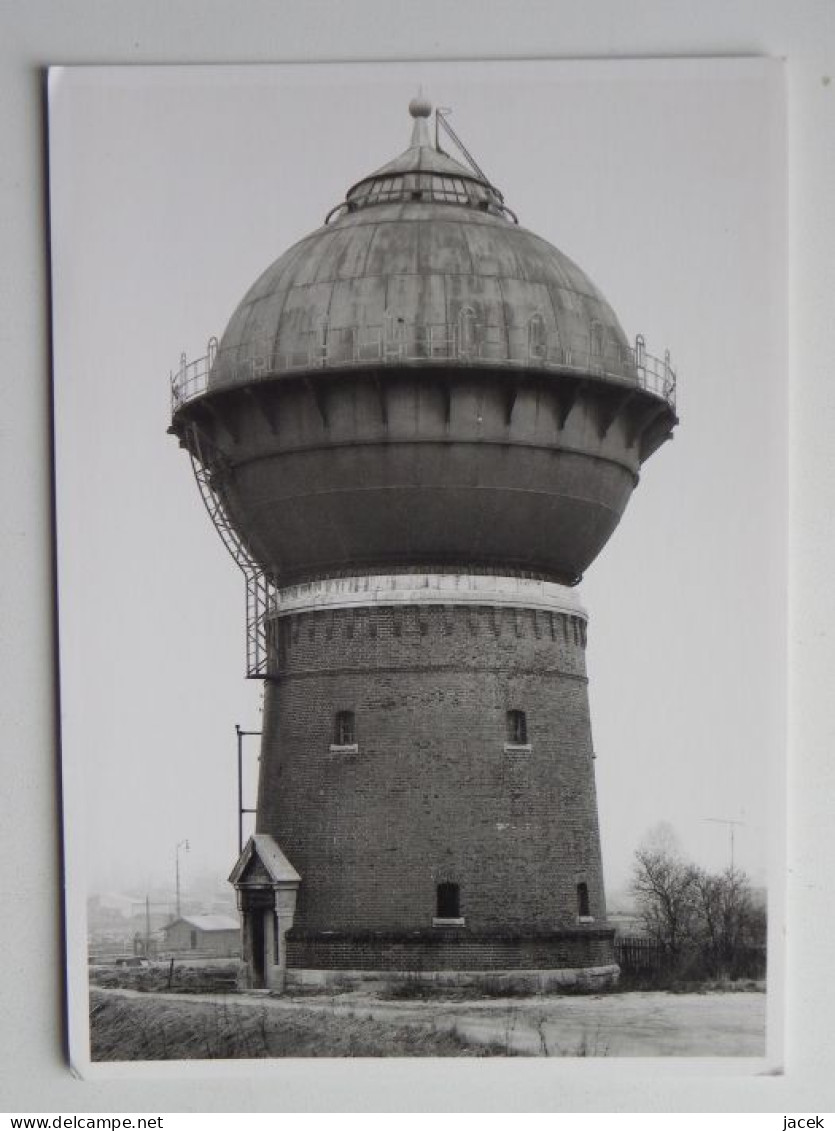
(665, 889)
(729, 922)
(712, 918)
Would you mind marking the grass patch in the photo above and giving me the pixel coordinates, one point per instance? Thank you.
(420, 989)
(670, 982)
(161, 978)
(124, 1028)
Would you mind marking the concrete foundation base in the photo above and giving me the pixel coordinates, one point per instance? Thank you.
(589, 979)
(272, 982)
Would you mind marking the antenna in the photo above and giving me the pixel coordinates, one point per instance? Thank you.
(730, 824)
(441, 115)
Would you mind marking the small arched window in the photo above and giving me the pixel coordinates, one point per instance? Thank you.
(517, 728)
(322, 327)
(345, 729)
(596, 338)
(536, 337)
(448, 902)
(466, 332)
(583, 900)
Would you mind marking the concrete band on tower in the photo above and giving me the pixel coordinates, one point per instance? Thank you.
(411, 588)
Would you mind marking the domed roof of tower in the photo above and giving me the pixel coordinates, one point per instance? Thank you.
(422, 263)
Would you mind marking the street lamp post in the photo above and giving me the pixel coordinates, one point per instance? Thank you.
(182, 844)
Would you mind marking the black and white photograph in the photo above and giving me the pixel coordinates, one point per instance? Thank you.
(420, 491)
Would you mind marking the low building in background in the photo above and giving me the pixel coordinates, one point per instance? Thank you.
(217, 936)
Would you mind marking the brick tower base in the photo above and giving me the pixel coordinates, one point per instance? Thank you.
(427, 771)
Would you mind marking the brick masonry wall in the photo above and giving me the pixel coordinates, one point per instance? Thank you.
(449, 950)
(431, 794)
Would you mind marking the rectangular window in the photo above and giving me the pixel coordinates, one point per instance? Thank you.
(448, 903)
(345, 732)
(517, 728)
(583, 901)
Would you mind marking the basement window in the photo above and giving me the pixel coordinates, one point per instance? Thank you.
(447, 906)
(344, 732)
(583, 908)
(517, 732)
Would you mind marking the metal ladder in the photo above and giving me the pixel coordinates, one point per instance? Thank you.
(261, 590)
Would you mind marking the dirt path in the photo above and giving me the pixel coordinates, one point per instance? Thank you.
(629, 1024)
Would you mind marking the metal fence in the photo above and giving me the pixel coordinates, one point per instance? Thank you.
(637, 954)
(397, 342)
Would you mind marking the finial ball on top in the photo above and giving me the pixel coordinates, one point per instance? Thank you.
(420, 107)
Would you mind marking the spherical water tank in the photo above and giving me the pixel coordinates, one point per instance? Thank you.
(423, 382)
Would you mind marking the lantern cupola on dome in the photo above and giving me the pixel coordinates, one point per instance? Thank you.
(424, 173)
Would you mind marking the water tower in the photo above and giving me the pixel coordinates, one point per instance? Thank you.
(421, 425)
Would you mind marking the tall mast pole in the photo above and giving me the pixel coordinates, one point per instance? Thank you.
(181, 844)
(731, 825)
(241, 735)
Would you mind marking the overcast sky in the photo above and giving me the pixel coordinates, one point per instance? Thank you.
(173, 188)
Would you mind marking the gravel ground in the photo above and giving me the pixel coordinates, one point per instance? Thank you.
(627, 1024)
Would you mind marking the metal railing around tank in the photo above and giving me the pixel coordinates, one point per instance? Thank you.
(397, 342)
